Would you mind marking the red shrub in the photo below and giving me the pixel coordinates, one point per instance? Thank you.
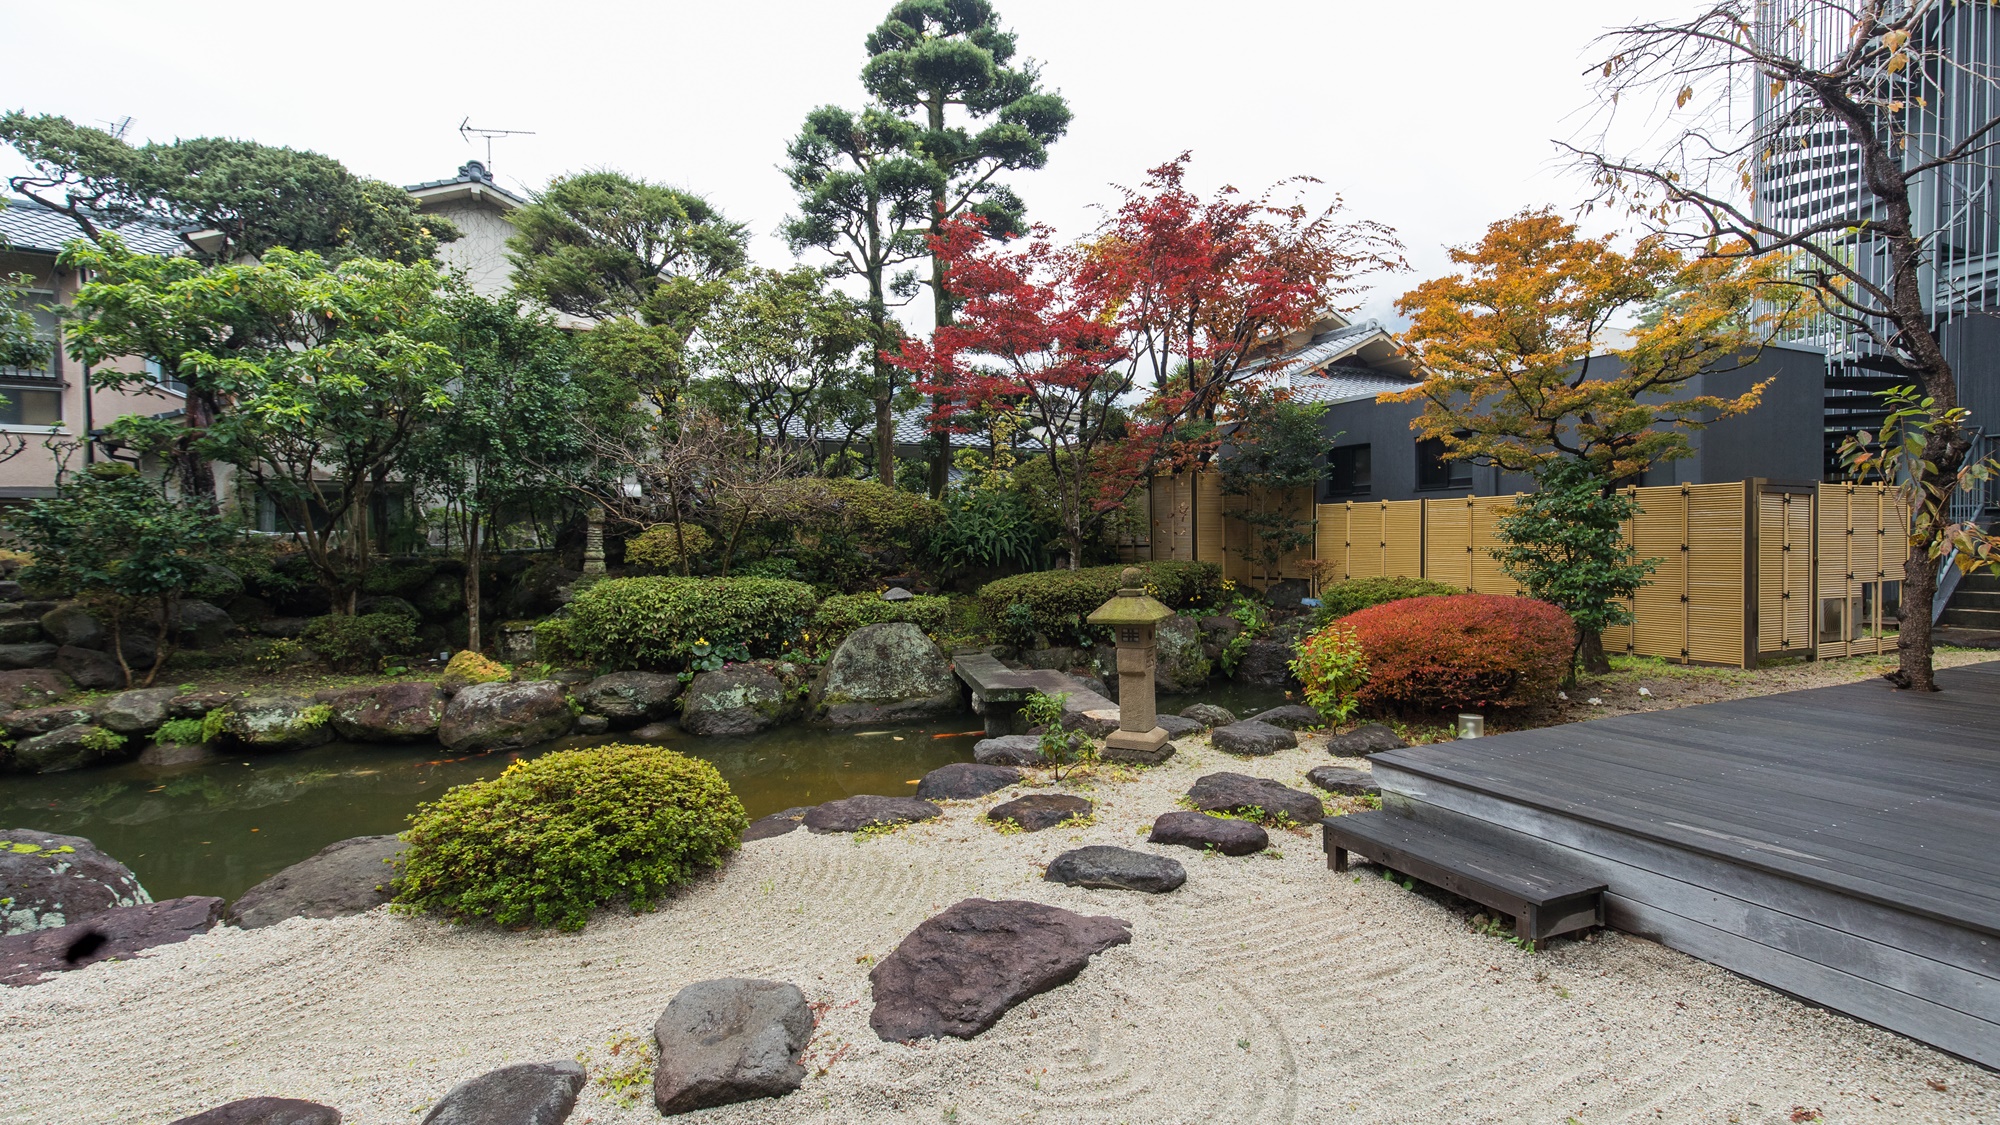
(1462, 652)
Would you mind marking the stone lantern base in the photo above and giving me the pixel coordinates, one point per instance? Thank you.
(1141, 747)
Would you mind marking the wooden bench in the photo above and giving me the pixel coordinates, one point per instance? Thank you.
(1545, 901)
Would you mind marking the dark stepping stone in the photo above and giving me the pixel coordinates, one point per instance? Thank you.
(345, 877)
(1252, 737)
(1177, 727)
(1291, 716)
(121, 932)
(962, 781)
(1118, 869)
(1008, 750)
(852, 814)
(1202, 831)
(1209, 715)
(960, 971)
(1368, 738)
(777, 824)
(1235, 792)
(1037, 811)
(265, 1111)
(727, 1041)
(1345, 781)
(522, 1094)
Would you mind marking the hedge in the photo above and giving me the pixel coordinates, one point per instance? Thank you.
(1056, 602)
(1462, 652)
(665, 622)
(842, 614)
(1339, 599)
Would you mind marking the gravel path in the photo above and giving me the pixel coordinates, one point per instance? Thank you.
(1266, 990)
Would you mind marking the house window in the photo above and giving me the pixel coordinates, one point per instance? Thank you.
(1434, 472)
(157, 372)
(35, 302)
(1349, 472)
(30, 406)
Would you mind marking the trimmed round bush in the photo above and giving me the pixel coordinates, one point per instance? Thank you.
(1339, 599)
(669, 622)
(556, 837)
(1058, 601)
(842, 614)
(1462, 652)
(659, 548)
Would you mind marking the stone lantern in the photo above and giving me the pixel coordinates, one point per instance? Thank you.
(1132, 617)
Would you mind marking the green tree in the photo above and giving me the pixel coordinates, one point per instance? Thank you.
(1275, 448)
(510, 436)
(228, 198)
(645, 261)
(864, 199)
(779, 353)
(115, 540)
(1565, 545)
(948, 68)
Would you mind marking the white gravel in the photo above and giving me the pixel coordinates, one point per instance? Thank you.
(1265, 990)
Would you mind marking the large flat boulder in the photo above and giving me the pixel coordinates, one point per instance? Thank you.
(776, 824)
(1252, 737)
(737, 700)
(48, 881)
(395, 712)
(121, 932)
(852, 814)
(275, 722)
(346, 877)
(1037, 811)
(1119, 869)
(541, 1093)
(1368, 738)
(959, 972)
(728, 1041)
(1202, 832)
(32, 654)
(32, 721)
(504, 716)
(1177, 727)
(887, 672)
(631, 699)
(265, 1111)
(136, 712)
(1238, 793)
(963, 781)
(1291, 716)
(1344, 780)
(1008, 750)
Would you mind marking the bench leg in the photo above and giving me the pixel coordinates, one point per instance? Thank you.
(1337, 859)
(1525, 927)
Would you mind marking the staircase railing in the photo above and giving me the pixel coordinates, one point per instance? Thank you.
(1968, 505)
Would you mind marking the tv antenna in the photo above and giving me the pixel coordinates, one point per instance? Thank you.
(120, 127)
(468, 130)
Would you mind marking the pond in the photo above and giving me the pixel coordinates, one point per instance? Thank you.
(222, 827)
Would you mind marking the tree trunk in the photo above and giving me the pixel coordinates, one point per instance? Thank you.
(474, 556)
(1913, 636)
(1590, 652)
(885, 440)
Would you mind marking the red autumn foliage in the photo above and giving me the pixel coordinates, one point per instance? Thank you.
(1462, 652)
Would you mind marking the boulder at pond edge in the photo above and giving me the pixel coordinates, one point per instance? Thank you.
(48, 880)
(504, 716)
(887, 672)
(346, 877)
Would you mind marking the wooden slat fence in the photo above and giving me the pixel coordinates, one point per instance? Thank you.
(1860, 563)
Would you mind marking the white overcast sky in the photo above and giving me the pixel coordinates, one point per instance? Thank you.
(1434, 118)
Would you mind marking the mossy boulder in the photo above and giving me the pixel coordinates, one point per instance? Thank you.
(886, 672)
(1183, 667)
(66, 748)
(740, 699)
(496, 716)
(270, 722)
(468, 668)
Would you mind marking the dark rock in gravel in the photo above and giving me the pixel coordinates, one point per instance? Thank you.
(1267, 662)
(48, 880)
(1118, 869)
(959, 972)
(1009, 750)
(962, 781)
(1368, 738)
(394, 712)
(1037, 811)
(1292, 716)
(1209, 715)
(1177, 727)
(71, 624)
(631, 699)
(265, 1111)
(136, 712)
(1345, 781)
(728, 1041)
(274, 722)
(777, 824)
(522, 1094)
(121, 931)
(346, 877)
(887, 672)
(1202, 831)
(36, 654)
(1249, 736)
(1236, 792)
(65, 748)
(33, 687)
(739, 699)
(505, 716)
(42, 720)
(852, 814)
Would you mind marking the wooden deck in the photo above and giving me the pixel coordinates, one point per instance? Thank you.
(1841, 844)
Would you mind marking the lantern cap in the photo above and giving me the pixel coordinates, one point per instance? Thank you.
(1131, 605)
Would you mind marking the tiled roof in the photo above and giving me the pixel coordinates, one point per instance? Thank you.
(27, 225)
(470, 172)
(1343, 384)
(1314, 374)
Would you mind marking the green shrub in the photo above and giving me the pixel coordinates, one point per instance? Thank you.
(1356, 594)
(658, 548)
(352, 644)
(187, 732)
(684, 622)
(103, 741)
(842, 614)
(1331, 666)
(881, 516)
(552, 839)
(1058, 601)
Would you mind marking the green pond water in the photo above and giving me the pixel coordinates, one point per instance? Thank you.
(222, 827)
